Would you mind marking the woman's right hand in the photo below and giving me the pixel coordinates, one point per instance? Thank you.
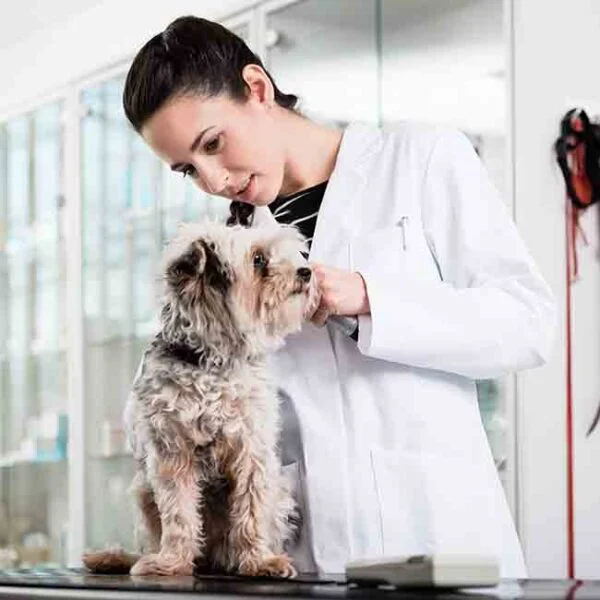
(340, 293)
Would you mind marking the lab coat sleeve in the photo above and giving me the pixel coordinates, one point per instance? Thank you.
(491, 312)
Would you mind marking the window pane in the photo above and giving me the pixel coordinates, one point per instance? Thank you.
(444, 63)
(33, 419)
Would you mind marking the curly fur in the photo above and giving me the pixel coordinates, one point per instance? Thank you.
(203, 415)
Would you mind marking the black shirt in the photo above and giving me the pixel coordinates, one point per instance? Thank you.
(301, 209)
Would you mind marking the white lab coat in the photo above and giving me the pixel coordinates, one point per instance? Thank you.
(394, 459)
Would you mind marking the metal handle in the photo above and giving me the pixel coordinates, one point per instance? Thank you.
(347, 325)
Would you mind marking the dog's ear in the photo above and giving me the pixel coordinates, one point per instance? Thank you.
(188, 266)
(216, 273)
(201, 260)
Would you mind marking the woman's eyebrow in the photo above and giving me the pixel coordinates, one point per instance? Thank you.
(198, 139)
(193, 147)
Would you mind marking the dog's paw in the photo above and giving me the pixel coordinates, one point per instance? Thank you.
(112, 561)
(278, 565)
(162, 564)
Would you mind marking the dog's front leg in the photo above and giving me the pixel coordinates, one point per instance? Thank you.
(148, 527)
(249, 540)
(178, 495)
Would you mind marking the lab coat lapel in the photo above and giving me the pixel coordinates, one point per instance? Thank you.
(339, 212)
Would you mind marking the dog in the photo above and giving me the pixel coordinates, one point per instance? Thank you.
(202, 416)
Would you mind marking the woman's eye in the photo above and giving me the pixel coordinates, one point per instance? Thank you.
(259, 260)
(188, 170)
(213, 145)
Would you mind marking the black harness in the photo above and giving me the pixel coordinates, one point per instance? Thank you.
(185, 353)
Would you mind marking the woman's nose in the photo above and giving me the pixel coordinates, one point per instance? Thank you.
(304, 274)
(214, 183)
(211, 180)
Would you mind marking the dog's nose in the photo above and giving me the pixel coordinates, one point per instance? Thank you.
(304, 274)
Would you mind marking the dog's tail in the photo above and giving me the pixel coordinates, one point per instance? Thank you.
(114, 561)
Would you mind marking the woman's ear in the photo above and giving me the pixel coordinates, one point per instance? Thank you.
(259, 85)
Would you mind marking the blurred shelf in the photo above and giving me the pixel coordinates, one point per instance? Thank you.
(142, 331)
(15, 459)
(113, 456)
(12, 355)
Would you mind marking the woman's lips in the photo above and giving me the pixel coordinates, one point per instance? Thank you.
(250, 191)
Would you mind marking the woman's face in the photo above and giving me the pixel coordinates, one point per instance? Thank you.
(228, 148)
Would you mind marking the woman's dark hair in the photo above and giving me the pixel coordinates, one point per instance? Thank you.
(192, 55)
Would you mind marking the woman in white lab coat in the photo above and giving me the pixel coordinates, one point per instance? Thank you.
(392, 458)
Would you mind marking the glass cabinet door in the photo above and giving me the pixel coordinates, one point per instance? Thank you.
(109, 261)
(443, 63)
(33, 411)
(131, 206)
(242, 30)
(326, 53)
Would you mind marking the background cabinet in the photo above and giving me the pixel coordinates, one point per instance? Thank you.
(86, 300)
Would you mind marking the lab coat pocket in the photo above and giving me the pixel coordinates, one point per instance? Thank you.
(435, 503)
(382, 248)
(298, 546)
(396, 252)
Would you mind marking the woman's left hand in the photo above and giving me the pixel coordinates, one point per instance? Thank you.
(342, 293)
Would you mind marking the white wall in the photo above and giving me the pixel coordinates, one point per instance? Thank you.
(106, 33)
(556, 50)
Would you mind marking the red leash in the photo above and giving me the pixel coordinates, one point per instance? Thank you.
(571, 231)
(578, 156)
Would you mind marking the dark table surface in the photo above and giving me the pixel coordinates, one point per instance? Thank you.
(78, 584)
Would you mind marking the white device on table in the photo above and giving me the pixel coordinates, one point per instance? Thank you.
(437, 570)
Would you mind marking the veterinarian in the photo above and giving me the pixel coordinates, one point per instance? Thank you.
(389, 456)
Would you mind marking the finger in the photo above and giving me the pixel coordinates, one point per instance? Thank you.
(318, 270)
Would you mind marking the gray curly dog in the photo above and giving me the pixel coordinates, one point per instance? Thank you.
(203, 416)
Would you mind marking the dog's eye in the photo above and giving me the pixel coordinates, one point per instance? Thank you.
(259, 260)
